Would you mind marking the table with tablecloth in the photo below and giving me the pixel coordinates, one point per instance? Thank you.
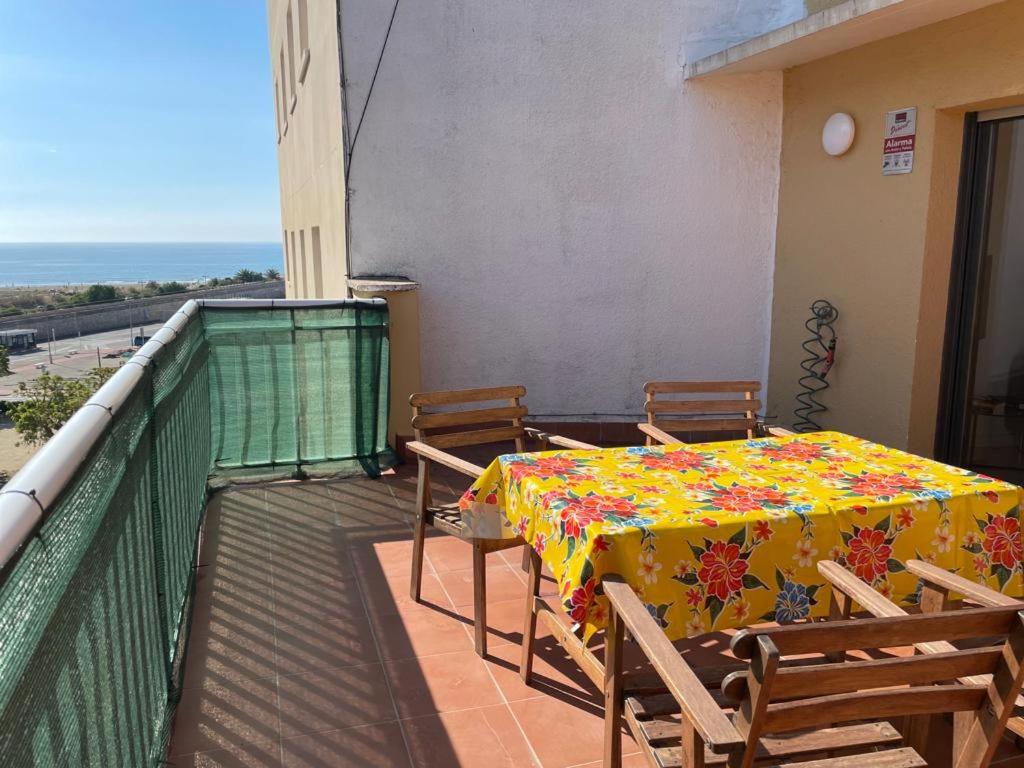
(719, 535)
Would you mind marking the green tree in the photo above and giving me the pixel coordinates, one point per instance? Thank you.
(5, 361)
(50, 400)
(247, 276)
(272, 274)
(100, 293)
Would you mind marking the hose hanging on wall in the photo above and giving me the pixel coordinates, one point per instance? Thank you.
(821, 351)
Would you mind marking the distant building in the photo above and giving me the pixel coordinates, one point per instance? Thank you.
(18, 338)
(588, 196)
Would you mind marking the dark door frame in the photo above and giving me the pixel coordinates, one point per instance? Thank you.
(977, 170)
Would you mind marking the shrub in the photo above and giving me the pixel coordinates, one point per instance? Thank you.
(100, 293)
(272, 274)
(51, 400)
(5, 361)
(172, 287)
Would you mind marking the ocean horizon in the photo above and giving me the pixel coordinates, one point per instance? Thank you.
(38, 264)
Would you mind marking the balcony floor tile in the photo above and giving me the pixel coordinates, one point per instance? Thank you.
(306, 649)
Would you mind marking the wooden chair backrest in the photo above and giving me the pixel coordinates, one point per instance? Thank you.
(734, 410)
(776, 700)
(443, 428)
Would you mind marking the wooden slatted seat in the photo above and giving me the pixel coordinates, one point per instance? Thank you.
(730, 411)
(664, 738)
(803, 713)
(446, 518)
(936, 586)
(438, 430)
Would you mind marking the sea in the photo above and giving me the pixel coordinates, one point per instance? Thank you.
(87, 263)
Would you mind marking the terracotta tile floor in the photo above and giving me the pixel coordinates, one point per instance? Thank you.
(307, 652)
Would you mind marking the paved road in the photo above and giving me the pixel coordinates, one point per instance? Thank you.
(71, 358)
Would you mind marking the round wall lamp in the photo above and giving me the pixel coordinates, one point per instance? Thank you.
(837, 135)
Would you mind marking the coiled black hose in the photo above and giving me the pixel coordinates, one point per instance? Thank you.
(821, 351)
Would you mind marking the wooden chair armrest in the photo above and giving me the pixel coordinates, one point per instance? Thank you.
(878, 606)
(861, 593)
(430, 453)
(559, 440)
(695, 702)
(950, 581)
(660, 435)
(778, 431)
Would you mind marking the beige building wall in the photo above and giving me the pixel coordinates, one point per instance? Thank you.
(879, 247)
(310, 149)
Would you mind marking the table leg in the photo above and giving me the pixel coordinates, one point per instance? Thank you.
(480, 597)
(537, 609)
(530, 623)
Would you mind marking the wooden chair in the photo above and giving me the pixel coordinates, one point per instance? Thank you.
(802, 714)
(937, 584)
(437, 431)
(734, 411)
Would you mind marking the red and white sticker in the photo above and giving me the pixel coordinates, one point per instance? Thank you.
(900, 138)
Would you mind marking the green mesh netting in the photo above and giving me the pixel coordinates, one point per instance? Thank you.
(94, 609)
(316, 382)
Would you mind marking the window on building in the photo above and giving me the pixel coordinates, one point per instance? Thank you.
(298, 266)
(284, 96)
(305, 266)
(318, 265)
(289, 268)
(303, 39)
(290, 39)
(277, 107)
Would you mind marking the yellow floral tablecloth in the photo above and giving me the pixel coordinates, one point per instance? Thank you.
(721, 535)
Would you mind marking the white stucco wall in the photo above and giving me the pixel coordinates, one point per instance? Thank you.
(580, 219)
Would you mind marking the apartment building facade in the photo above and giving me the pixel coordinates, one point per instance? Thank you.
(585, 199)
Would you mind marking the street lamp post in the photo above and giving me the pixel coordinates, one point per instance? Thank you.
(131, 336)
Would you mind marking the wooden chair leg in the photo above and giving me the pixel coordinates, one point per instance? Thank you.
(693, 746)
(917, 727)
(839, 610)
(420, 532)
(526, 558)
(480, 597)
(614, 640)
(530, 623)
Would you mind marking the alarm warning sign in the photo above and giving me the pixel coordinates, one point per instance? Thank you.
(900, 138)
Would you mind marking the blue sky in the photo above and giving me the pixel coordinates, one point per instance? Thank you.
(150, 120)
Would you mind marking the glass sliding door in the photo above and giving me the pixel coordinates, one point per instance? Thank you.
(983, 423)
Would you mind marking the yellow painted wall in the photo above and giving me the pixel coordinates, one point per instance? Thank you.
(404, 339)
(310, 152)
(879, 247)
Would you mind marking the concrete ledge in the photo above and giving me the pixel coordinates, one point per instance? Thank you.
(839, 28)
(381, 284)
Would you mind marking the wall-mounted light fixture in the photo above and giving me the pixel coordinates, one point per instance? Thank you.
(837, 135)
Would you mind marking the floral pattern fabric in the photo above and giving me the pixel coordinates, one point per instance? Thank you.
(721, 535)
